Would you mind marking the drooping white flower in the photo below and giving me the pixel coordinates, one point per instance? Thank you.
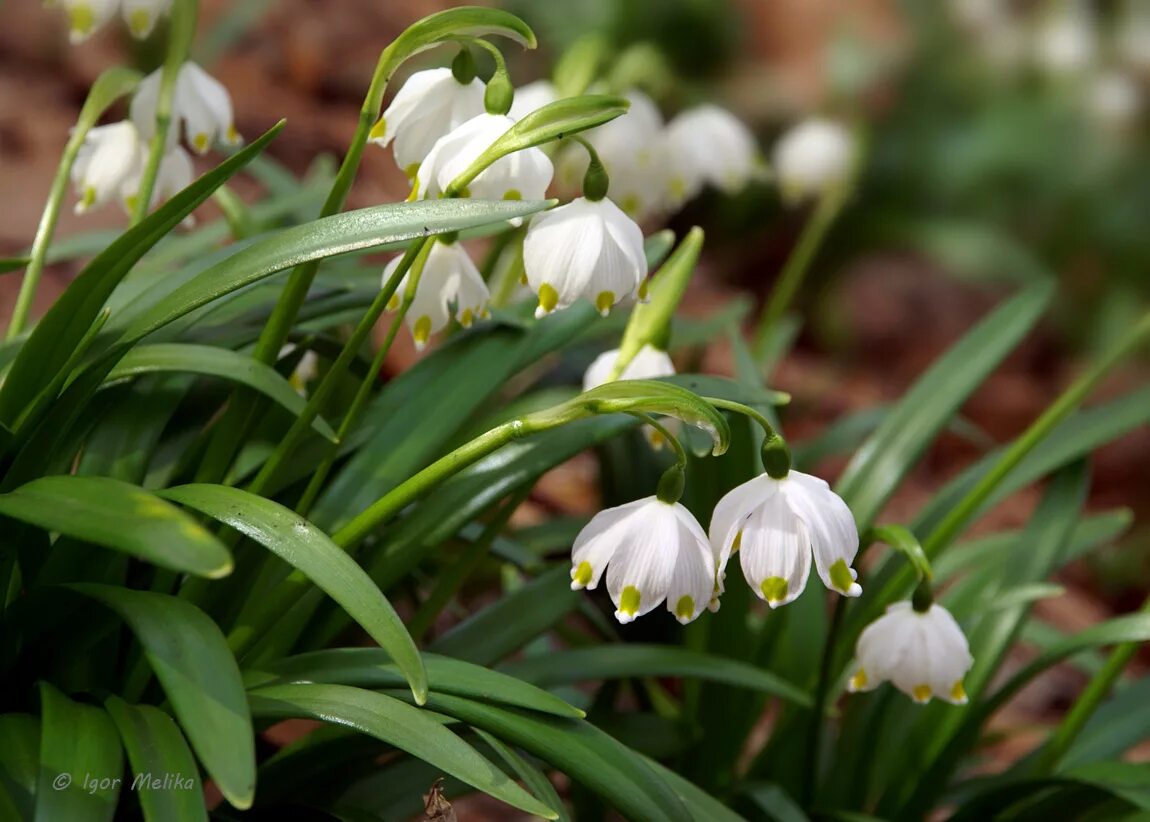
(174, 174)
(430, 104)
(923, 653)
(532, 97)
(812, 158)
(710, 145)
(587, 248)
(653, 552)
(306, 370)
(201, 106)
(108, 160)
(86, 16)
(522, 175)
(1065, 42)
(141, 15)
(776, 525)
(449, 286)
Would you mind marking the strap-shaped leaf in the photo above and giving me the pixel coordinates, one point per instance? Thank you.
(80, 760)
(19, 764)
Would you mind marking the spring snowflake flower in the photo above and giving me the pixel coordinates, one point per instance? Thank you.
(523, 175)
(587, 248)
(710, 145)
(923, 653)
(649, 364)
(776, 525)
(653, 551)
(532, 97)
(107, 164)
(201, 106)
(174, 174)
(430, 104)
(812, 158)
(141, 15)
(86, 16)
(450, 286)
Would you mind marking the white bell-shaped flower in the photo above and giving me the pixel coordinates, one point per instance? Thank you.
(430, 104)
(108, 160)
(923, 653)
(777, 525)
(449, 286)
(86, 16)
(532, 97)
(653, 552)
(711, 146)
(522, 175)
(812, 158)
(174, 174)
(1065, 42)
(201, 106)
(141, 15)
(587, 248)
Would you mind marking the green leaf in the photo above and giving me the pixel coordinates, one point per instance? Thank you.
(650, 322)
(211, 361)
(80, 760)
(303, 546)
(635, 660)
(889, 453)
(906, 543)
(122, 517)
(59, 331)
(369, 668)
(396, 723)
(19, 763)
(199, 675)
(465, 21)
(8, 264)
(157, 751)
(532, 777)
(699, 803)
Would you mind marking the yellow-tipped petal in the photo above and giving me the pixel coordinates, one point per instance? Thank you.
(581, 574)
(774, 589)
(958, 693)
(378, 130)
(140, 23)
(858, 681)
(81, 21)
(685, 609)
(200, 142)
(466, 318)
(422, 331)
(738, 542)
(629, 601)
(841, 577)
(393, 302)
(512, 194)
(88, 199)
(604, 301)
(921, 693)
(548, 297)
(233, 137)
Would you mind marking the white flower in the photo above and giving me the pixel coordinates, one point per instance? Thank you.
(1114, 100)
(522, 175)
(648, 364)
(306, 370)
(85, 16)
(924, 654)
(532, 97)
(108, 161)
(653, 552)
(430, 104)
(450, 286)
(141, 15)
(812, 158)
(776, 525)
(200, 105)
(174, 174)
(711, 145)
(586, 248)
(1065, 42)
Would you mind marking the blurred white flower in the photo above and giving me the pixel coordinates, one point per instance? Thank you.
(587, 248)
(107, 163)
(1132, 35)
(923, 653)
(1065, 42)
(710, 145)
(429, 105)
(812, 158)
(141, 15)
(776, 525)
(532, 97)
(306, 370)
(653, 551)
(450, 286)
(86, 16)
(201, 106)
(523, 175)
(1114, 100)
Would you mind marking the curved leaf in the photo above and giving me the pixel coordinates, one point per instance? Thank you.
(199, 675)
(19, 764)
(120, 516)
(80, 760)
(398, 724)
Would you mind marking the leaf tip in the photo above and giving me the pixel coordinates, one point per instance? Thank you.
(221, 571)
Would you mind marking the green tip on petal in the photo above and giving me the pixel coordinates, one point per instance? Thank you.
(582, 573)
(858, 681)
(774, 589)
(685, 609)
(513, 194)
(378, 130)
(422, 331)
(140, 23)
(958, 693)
(841, 577)
(200, 142)
(629, 601)
(548, 297)
(921, 693)
(604, 301)
(82, 20)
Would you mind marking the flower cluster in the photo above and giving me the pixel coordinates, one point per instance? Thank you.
(86, 16)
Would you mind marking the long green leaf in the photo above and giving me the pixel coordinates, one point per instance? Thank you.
(199, 675)
(122, 517)
(398, 724)
(532, 776)
(80, 761)
(164, 773)
(19, 763)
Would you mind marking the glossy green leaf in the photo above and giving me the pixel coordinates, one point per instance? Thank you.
(699, 803)
(532, 777)
(465, 21)
(398, 724)
(80, 760)
(554, 668)
(370, 668)
(199, 675)
(122, 517)
(19, 763)
(211, 361)
(306, 548)
(157, 751)
(650, 322)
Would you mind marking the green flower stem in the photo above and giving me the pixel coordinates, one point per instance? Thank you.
(183, 31)
(813, 750)
(747, 411)
(795, 270)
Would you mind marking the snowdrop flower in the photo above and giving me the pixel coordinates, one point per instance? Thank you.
(711, 145)
(201, 106)
(776, 525)
(649, 364)
(141, 15)
(107, 163)
(923, 653)
(1065, 42)
(812, 158)
(587, 248)
(532, 97)
(653, 551)
(523, 175)
(430, 104)
(85, 16)
(450, 286)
